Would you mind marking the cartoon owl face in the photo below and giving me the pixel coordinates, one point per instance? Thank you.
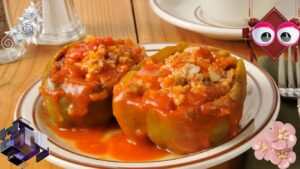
(273, 33)
(287, 34)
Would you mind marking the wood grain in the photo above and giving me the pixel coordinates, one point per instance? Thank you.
(102, 18)
(107, 18)
(150, 28)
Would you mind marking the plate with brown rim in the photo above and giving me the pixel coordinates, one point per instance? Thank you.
(261, 108)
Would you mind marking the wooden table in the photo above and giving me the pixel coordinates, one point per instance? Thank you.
(132, 19)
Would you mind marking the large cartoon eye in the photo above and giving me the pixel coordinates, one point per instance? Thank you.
(288, 34)
(263, 34)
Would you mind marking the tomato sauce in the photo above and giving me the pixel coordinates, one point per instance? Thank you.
(78, 82)
(111, 143)
(190, 101)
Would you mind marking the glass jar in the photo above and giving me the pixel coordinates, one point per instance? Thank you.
(11, 49)
(60, 22)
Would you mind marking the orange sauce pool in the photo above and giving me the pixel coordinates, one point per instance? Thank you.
(111, 142)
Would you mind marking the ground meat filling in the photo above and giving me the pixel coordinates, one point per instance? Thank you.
(194, 72)
(95, 57)
(88, 71)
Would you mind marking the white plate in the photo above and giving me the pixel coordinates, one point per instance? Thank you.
(260, 110)
(187, 14)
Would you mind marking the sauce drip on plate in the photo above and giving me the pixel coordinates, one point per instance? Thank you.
(112, 143)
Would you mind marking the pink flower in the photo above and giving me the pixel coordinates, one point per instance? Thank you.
(262, 147)
(276, 145)
(282, 136)
(283, 158)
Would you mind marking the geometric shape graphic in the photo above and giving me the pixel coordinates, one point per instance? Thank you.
(23, 142)
(275, 49)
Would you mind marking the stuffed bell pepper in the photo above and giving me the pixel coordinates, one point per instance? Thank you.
(78, 82)
(185, 98)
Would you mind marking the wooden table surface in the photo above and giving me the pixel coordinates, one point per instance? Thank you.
(132, 19)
